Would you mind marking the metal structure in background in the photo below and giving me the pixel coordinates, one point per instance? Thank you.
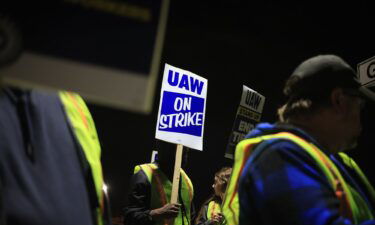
(106, 50)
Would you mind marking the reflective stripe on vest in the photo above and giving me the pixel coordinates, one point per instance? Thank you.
(84, 129)
(348, 204)
(349, 162)
(161, 189)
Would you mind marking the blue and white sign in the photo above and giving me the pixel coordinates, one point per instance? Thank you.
(182, 108)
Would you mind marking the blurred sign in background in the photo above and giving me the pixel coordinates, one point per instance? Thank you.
(366, 76)
(248, 115)
(107, 50)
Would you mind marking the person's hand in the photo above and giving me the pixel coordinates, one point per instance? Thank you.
(168, 211)
(217, 218)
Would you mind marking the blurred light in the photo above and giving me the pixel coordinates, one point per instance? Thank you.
(105, 188)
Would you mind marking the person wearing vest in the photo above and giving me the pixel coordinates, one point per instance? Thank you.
(150, 192)
(50, 169)
(210, 213)
(295, 171)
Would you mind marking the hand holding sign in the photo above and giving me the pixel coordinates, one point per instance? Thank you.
(168, 211)
(181, 114)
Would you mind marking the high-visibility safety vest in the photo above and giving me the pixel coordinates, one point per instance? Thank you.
(214, 208)
(161, 189)
(352, 205)
(84, 130)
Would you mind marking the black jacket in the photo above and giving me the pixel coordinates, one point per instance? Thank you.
(137, 211)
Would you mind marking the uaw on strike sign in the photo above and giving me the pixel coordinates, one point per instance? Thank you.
(248, 115)
(182, 108)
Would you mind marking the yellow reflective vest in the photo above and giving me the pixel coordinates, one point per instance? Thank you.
(161, 189)
(84, 129)
(352, 205)
(214, 208)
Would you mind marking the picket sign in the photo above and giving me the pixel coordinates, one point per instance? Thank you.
(176, 174)
(248, 115)
(366, 76)
(181, 114)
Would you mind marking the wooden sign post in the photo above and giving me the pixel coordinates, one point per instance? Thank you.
(181, 116)
(176, 174)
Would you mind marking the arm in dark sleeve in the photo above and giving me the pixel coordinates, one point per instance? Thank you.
(137, 211)
(283, 185)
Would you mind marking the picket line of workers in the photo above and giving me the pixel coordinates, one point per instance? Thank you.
(292, 172)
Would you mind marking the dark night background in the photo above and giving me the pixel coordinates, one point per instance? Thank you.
(231, 43)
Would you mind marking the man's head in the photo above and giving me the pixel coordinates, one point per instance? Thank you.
(325, 87)
(167, 154)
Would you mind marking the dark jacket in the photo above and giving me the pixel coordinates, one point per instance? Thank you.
(282, 184)
(139, 196)
(43, 174)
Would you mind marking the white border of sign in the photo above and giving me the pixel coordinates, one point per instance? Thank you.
(365, 80)
(259, 109)
(362, 68)
(153, 156)
(188, 140)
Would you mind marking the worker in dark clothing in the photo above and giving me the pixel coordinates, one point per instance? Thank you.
(150, 192)
(50, 170)
(296, 171)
